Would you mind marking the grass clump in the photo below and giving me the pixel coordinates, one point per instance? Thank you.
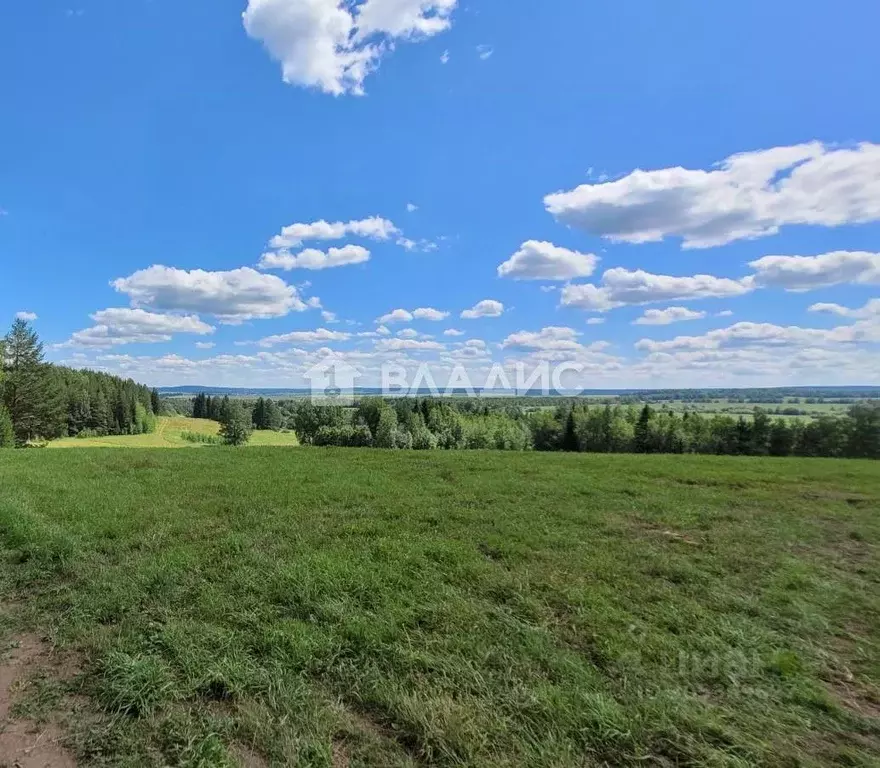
(201, 437)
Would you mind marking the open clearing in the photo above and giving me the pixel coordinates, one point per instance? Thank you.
(169, 434)
(368, 608)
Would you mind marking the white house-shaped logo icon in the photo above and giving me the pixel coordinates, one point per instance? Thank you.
(331, 382)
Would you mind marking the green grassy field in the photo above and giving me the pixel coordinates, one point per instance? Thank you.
(170, 434)
(336, 607)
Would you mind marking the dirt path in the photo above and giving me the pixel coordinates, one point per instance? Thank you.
(25, 743)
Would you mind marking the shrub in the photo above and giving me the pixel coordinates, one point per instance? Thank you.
(201, 437)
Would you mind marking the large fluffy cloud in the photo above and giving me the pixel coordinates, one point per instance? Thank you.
(233, 296)
(621, 287)
(312, 258)
(118, 326)
(333, 45)
(539, 260)
(747, 195)
(805, 273)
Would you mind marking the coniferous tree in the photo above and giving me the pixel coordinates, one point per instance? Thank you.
(224, 409)
(101, 416)
(155, 402)
(642, 437)
(25, 381)
(569, 436)
(258, 414)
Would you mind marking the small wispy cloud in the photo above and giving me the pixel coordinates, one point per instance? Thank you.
(444, 58)
(485, 51)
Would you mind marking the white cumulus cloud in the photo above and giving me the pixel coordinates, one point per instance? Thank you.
(871, 309)
(28, 317)
(233, 296)
(668, 316)
(429, 313)
(372, 228)
(396, 316)
(321, 335)
(748, 195)
(621, 287)
(805, 273)
(485, 308)
(312, 258)
(411, 345)
(333, 45)
(118, 326)
(552, 337)
(747, 334)
(539, 260)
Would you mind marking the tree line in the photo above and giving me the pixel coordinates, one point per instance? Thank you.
(41, 401)
(264, 414)
(463, 424)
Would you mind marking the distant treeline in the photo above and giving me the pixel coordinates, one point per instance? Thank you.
(462, 424)
(39, 401)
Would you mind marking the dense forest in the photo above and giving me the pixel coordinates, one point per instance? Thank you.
(570, 425)
(40, 401)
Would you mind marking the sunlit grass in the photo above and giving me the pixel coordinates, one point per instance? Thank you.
(170, 434)
(360, 607)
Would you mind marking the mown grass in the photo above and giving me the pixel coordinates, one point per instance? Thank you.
(173, 432)
(359, 607)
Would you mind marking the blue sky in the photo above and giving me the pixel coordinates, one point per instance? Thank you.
(437, 141)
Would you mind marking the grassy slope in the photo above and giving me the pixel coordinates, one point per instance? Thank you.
(168, 434)
(333, 607)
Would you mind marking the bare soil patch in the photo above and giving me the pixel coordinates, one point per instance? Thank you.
(26, 743)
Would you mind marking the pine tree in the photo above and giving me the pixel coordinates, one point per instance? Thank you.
(155, 402)
(25, 384)
(102, 417)
(642, 437)
(569, 436)
(224, 409)
(258, 414)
